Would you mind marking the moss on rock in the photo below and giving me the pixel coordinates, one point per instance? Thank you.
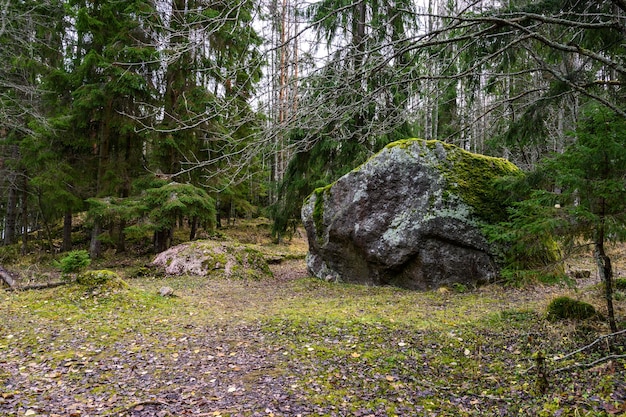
(468, 175)
(566, 308)
(211, 258)
(101, 278)
(387, 220)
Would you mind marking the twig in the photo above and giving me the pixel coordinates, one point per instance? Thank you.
(589, 365)
(598, 340)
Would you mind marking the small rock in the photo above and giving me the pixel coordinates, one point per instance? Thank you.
(166, 292)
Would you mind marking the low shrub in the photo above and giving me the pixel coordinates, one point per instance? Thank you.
(74, 262)
(9, 254)
(566, 308)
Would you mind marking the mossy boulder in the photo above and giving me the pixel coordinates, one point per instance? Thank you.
(101, 278)
(212, 258)
(566, 308)
(411, 216)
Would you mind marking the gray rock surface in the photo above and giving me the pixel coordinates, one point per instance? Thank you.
(211, 258)
(411, 216)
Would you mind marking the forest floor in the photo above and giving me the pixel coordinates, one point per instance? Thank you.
(297, 346)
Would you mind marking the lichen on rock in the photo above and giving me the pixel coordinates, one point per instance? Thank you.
(212, 258)
(410, 216)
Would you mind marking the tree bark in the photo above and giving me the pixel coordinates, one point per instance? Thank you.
(67, 231)
(194, 228)
(162, 239)
(11, 214)
(606, 275)
(94, 245)
(121, 237)
(25, 216)
(7, 277)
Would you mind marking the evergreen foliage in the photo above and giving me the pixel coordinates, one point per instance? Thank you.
(158, 209)
(74, 262)
(580, 196)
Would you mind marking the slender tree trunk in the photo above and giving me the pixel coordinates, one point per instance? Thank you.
(194, 228)
(10, 220)
(67, 231)
(121, 238)
(94, 245)
(162, 240)
(25, 216)
(606, 274)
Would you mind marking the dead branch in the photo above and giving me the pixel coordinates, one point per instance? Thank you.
(590, 364)
(7, 277)
(37, 286)
(590, 345)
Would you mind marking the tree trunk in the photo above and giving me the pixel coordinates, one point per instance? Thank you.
(94, 245)
(10, 221)
(606, 275)
(194, 228)
(67, 231)
(25, 216)
(121, 238)
(162, 240)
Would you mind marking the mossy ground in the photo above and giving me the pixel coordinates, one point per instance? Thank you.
(298, 346)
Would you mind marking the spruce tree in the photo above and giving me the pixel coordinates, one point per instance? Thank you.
(581, 195)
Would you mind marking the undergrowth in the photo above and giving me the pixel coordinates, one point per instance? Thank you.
(302, 346)
(343, 349)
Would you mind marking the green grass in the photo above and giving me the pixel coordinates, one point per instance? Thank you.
(343, 349)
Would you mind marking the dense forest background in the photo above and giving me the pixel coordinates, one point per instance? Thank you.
(135, 116)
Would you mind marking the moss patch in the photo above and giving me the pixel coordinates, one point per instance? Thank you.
(470, 176)
(565, 308)
(211, 258)
(99, 278)
(318, 209)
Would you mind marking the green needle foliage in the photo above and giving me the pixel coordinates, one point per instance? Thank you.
(158, 209)
(75, 261)
(579, 195)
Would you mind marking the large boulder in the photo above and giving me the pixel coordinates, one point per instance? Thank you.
(411, 216)
(207, 257)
